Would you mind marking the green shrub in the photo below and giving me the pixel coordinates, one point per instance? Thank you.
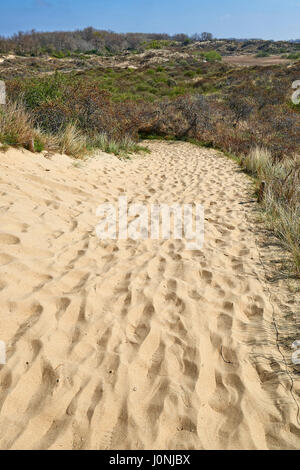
(61, 54)
(212, 56)
(36, 91)
(294, 56)
(158, 44)
(38, 145)
(262, 54)
(190, 73)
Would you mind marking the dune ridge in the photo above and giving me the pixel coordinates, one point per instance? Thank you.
(124, 344)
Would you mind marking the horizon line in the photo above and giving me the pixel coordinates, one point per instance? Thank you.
(231, 38)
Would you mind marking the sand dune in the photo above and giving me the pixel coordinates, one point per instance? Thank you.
(135, 344)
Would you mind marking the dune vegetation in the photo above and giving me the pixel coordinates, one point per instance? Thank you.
(281, 197)
(245, 112)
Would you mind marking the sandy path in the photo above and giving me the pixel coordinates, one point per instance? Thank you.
(135, 344)
(250, 60)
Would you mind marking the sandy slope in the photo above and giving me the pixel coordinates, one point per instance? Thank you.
(250, 60)
(126, 344)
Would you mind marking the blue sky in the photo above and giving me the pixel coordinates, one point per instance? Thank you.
(268, 19)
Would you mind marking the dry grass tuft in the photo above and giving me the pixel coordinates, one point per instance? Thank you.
(281, 197)
(72, 142)
(16, 128)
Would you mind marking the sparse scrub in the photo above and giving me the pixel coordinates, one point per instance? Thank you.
(238, 112)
